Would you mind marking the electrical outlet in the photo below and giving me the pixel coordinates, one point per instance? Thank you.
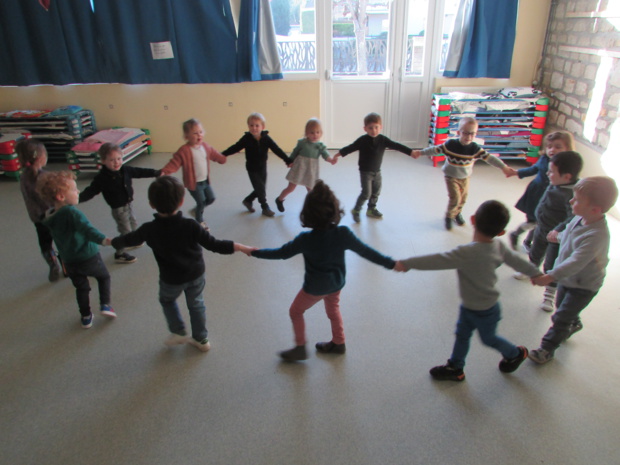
(284, 104)
(165, 107)
(230, 104)
(111, 107)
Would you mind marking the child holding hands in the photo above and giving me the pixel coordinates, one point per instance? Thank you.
(77, 240)
(460, 156)
(114, 181)
(323, 249)
(195, 156)
(305, 161)
(257, 144)
(476, 265)
(177, 244)
(581, 265)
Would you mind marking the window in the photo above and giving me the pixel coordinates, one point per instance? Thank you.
(295, 25)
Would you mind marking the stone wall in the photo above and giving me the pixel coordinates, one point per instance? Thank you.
(581, 70)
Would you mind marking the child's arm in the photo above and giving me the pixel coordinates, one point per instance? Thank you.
(277, 150)
(497, 162)
(92, 190)
(235, 148)
(390, 144)
(288, 250)
(174, 164)
(214, 155)
(363, 250)
(82, 225)
(244, 248)
(129, 240)
(137, 172)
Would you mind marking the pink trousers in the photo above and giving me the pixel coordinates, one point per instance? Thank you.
(303, 301)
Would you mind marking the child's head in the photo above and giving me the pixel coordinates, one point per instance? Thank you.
(58, 188)
(491, 218)
(373, 124)
(111, 155)
(596, 192)
(468, 127)
(564, 168)
(31, 153)
(193, 132)
(256, 124)
(166, 194)
(558, 141)
(321, 208)
(313, 131)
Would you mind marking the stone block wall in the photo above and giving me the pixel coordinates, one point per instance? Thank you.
(581, 69)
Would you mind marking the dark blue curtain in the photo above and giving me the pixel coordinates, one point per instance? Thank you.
(489, 42)
(47, 47)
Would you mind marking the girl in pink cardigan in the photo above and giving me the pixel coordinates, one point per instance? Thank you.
(194, 156)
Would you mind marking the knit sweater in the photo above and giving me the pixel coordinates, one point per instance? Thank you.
(183, 158)
(460, 158)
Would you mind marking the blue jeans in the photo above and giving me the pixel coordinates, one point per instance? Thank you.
(79, 273)
(204, 196)
(371, 189)
(485, 321)
(168, 294)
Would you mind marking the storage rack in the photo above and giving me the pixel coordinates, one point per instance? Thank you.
(9, 162)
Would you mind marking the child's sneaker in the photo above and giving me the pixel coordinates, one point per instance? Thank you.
(374, 213)
(514, 240)
(124, 258)
(575, 327)
(248, 204)
(107, 310)
(330, 348)
(280, 204)
(540, 355)
(521, 276)
(356, 215)
(203, 345)
(458, 219)
(176, 339)
(448, 223)
(511, 364)
(547, 305)
(268, 212)
(87, 321)
(295, 354)
(447, 373)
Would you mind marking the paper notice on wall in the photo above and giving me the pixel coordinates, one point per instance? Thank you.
(161, 50)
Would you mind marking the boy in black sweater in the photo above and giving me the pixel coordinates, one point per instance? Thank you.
(177, 244)
(114, 181)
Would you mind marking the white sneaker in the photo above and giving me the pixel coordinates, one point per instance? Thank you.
(176, 339)
(521, 276)
(540, 355)
(547, 305)
(203, 345)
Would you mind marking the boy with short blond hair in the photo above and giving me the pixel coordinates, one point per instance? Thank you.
(371, 147)
(257, 143)
(460, 155)
(77, 241)
(581, 265)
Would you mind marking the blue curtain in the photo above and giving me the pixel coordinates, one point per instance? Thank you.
(47, 47)
(488, 43)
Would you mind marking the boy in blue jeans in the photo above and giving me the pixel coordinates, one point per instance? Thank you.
(580, 267)
(476, 263)
(177, 244)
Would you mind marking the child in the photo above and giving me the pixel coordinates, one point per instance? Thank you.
(476, 263)
(323, 249)
(580, 267)
(114, 181)
(194, 157)
(305, 161)
(461, 154)
(257, 143)
(77, 241)
(552, 215)
(33, 157)
(555, 142)
(177, 244)
(371, 148)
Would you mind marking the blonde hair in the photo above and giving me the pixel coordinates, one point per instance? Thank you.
(466, 122)
(256, 116)
(312, 124)
(52, 183)
(189, 124)
(601, 191)
(565, 137)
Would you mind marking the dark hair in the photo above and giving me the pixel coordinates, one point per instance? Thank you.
(372, 118)
(166, 194)
(491, 218)
(108, 148)
(568, 163)
(321, 208)
(28, 150)
(189, 124)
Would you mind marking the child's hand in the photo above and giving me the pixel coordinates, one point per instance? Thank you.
(400, 267)
(245, 249)
(415, 154)
(542, 280)
(510, 172)
(106, 242)
(331, 160)
(553, 236)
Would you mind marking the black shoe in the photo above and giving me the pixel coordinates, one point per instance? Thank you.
(248, 204)
(330, 348)
(514, 240)
(447, 373)
(295, 354)
(510, 365)
(459, 220)
(280, 204)
(124, 258)
(575, 327)
(448, 223)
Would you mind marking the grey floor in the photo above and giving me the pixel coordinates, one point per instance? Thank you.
(114, 394)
